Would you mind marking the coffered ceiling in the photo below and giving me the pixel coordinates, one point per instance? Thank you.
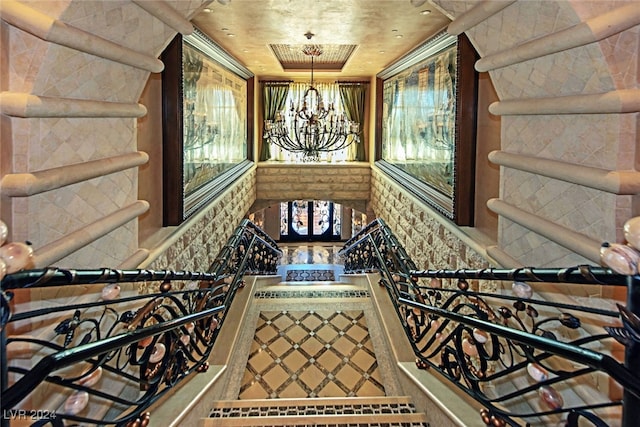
(359, 38)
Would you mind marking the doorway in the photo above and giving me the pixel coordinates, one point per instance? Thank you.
(310, 221)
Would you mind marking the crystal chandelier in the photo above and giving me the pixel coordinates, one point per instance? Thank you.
(312, 127)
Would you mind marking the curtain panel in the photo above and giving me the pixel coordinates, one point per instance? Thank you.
(353, 101)
(274, 100)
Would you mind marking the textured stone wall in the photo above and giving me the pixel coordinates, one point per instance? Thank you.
(341, 183)
(197, 247)
(427, 241)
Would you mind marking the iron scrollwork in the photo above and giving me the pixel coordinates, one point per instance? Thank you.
(518, 354)
(107, 361)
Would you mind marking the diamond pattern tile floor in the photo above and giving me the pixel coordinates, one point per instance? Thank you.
(311, 353)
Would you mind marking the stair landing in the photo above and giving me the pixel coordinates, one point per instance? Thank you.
(308, 340)
(316, 351)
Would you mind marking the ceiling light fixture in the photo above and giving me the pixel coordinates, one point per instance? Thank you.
(312, 127)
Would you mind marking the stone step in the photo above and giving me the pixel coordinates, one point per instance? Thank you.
(312, 290)
(351, 411)
(361, 420)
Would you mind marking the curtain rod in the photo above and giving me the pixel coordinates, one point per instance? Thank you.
(342, 82)
(346, 82)
(276, 81)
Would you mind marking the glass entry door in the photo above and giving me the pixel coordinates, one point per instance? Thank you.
(310, 220)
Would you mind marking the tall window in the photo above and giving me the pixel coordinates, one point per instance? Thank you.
(205, 127)
(419, 119)
(330, 93)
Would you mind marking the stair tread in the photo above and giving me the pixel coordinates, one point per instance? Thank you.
(330, 411)
(314, 286)
(419, 419)
(306, 401)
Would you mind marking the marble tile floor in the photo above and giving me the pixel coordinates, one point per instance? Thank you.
(311, 353)
(310, 253)
(299, 258)
(319, 340)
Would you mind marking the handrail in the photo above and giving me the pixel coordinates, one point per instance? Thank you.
(579, 274)
(479, 339)
(363, 232)
(61, 359)
(49, 277)
(147, 339)
(578, 354)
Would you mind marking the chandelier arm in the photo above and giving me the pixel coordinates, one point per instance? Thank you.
(343, 140)
(333, 137)
(283, 141)
(283, 137)
(329, 140)
(292, 145)
(323, 143)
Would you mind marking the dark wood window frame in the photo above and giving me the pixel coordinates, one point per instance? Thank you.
(177, 207)
(460, 207)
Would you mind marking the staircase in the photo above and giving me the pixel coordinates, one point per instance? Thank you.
(327, 373)
(351, 411)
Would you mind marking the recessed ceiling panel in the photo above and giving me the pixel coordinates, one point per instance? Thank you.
(333, 57)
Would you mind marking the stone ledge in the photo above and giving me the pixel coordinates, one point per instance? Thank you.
(444, 406)
(273, 164)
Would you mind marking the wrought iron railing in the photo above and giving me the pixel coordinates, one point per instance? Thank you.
(99, 347)
(526, 358)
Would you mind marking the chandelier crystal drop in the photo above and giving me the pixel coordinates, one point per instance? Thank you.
(312, 127)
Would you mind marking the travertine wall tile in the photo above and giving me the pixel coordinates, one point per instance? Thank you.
(289, 182)
(607, 141)
(27, 52)
(46, 69)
